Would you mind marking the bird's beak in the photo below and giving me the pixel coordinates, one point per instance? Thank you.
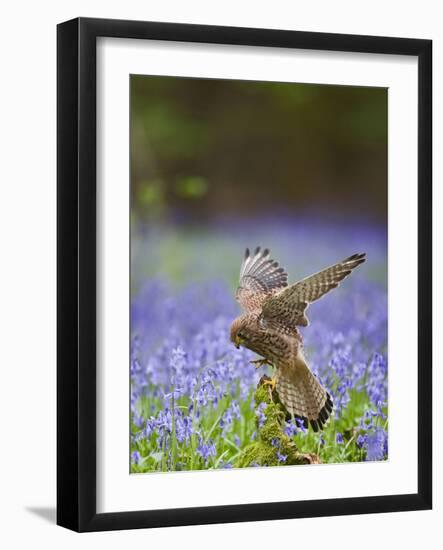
(237, 342)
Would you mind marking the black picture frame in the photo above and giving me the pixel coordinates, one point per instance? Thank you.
(76, 268)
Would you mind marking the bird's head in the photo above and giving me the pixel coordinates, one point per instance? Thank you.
(240, 332)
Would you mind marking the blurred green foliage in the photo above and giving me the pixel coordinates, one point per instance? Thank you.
(192, 187)
(202, 147)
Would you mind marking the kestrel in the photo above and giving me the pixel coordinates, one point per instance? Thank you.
(273, 311)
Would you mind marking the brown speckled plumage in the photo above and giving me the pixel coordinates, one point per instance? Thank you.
(273, 310)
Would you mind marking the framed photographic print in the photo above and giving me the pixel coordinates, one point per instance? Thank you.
(244, 274)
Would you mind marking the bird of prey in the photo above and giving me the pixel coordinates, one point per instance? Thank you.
(272, 312)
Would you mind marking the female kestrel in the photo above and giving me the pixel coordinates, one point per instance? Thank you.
(273, 310)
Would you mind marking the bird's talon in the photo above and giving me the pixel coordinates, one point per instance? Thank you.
(271, 383)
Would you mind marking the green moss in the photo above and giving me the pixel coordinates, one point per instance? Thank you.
(271, 439)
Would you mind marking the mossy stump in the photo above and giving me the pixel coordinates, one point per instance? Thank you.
(272, 447)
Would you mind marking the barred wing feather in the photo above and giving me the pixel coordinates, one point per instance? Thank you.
(260, 277)
(287, 308)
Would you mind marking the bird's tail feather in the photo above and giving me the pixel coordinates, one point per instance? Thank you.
(303, 396)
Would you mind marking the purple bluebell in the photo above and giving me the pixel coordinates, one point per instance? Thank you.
(376, 445)
(290, 428)
(281, 457)
(260, 414)
(206, 450)
(301, 425)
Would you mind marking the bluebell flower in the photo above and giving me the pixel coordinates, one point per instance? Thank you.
(339, 438)
(235, 410)
(226, 419)
(260, 414)
(376, 444)
(290, 429)
(183, 428)
(301, 425)
(206, 450)
(174, 394)
(281, 457)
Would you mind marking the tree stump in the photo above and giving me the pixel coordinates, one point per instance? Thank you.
(272, 446)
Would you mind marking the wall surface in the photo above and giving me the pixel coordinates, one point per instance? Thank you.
(27, 289)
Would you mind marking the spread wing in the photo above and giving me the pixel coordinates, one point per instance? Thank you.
(260, 278)
(288, 307)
